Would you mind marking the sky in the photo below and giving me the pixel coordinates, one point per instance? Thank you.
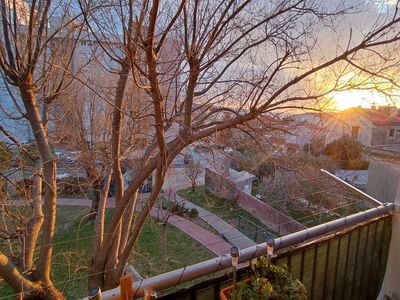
(358, 24)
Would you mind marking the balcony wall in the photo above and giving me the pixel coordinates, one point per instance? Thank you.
(346, 265)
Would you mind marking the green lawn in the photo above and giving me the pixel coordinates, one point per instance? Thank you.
(225, 209)
(73, 246)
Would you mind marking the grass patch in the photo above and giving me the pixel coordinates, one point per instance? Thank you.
(225, 209)
(311, 216)
(73, 249)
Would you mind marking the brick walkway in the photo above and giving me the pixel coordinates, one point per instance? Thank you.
(230, 233)
(209, 240)
(178, 181)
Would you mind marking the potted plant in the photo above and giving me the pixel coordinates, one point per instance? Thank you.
(266, 282)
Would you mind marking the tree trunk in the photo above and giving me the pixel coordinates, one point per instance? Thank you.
(164, 243)
(50, 187)
(96, 198)
(36, 222)
(99, 224)
(30, 290)
(110, 262)
(127, 221)
(194, 185)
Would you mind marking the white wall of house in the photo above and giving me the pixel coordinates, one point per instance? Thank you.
(383, 178)
(337, 128)
(307, 127)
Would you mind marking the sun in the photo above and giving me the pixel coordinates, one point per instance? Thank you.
(357, 98)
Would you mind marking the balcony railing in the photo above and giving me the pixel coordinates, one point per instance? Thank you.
(342, 259)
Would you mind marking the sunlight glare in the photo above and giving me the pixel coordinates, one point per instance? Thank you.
(357, 98)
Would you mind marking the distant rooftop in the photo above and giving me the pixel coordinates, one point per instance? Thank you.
(378, 116)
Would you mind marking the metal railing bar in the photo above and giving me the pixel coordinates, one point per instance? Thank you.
(175, 277)
(216, 291)
(314, 270)
(320, 230)
(346, 264)
(371, 271)
(355, 263)
(360, 291)
(328, 247)
(303, 255)
(381, 255)
(336, 266)
(352, 187)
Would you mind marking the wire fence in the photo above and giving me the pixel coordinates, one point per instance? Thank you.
(253, 231)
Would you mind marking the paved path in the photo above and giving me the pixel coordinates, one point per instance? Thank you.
(177, 181)
(230, 233)
(209, 240)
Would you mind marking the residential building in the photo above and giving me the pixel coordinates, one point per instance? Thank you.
(384, 172)
(375, 126)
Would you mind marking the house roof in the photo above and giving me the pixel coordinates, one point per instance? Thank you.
(376, 116)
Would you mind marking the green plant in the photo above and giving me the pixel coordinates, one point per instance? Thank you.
(193, 213)
(177, 208)
(268, 282)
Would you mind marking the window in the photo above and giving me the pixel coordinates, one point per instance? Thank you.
(397, 135)
(391, 132)
(354, 132)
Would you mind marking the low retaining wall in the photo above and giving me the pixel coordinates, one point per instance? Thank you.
(223, 187)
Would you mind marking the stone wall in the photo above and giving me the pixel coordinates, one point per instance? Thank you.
(272, 218)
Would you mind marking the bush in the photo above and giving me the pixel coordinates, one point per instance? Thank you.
(193, 213)
(344, 148)
(354, 164)
(72, 186)
(268, 282)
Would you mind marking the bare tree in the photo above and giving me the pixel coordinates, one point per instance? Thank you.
(247, 58)
(199, 68)
(192, 172)
(35, 56)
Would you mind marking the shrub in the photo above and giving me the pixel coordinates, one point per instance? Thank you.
(344, 148)
(354, 164)
(72, 186)
(193, 213)
(269, 282)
